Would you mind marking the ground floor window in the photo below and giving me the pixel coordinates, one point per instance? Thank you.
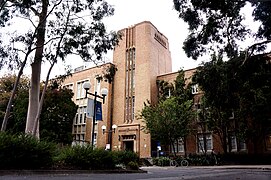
(268, 142)
(207, 145)
(233, 143)
(178, 146)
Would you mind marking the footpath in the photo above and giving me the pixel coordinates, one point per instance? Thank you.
(262, 167)
(143, 169)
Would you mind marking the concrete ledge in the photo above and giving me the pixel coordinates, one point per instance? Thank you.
(25, 172)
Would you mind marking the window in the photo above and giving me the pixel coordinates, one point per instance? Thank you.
(233, 143)
(85, 115)
(268, 142)
(178, 146)
(127, 109)
(80, 91)
(95, 139)
(198, 111)
(98, 86)
(133, 81)
(76, 119)
(130, 84)
(201, 144)
(69, 86)
(195, 89)
(242, 145)
(133, 108)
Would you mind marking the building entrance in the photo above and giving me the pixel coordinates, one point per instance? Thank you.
(128, 145)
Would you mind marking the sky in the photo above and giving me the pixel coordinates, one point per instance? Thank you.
(162, 15)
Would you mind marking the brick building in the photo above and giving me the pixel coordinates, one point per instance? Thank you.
(141, 58)
(142, 55)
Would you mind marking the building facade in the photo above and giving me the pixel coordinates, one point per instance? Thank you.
(141, 58)
(142, 55)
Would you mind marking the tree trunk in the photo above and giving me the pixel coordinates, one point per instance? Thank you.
(34, 90)
(36, 122)
(5, 120)
(37, 118)
(7, 113)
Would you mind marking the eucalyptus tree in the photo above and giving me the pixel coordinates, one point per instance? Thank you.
(58, 28)
(219, 25)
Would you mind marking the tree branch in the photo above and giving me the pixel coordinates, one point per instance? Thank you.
(252, 48)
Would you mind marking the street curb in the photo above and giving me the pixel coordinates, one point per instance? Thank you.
(29, 172)
(260, 167)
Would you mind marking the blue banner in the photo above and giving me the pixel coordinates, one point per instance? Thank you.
(99, 114)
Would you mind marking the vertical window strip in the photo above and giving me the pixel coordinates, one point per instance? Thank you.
(127, 37)
(126, 109)
(78, 91)
(133, 108)
(98, 86)
(134, 58)
(129, 84)
(127, 87)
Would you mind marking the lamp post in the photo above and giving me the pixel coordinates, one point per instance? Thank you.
(110, 131)
(104, 93)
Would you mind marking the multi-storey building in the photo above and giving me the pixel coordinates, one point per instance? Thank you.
(141, 58)
(142, 55)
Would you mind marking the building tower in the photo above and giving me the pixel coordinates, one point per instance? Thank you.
(142, 55)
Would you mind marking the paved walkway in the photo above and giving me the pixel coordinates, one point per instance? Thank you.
(263, 167)
(143, 169)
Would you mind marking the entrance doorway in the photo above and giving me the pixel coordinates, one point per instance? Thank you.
(128, 145)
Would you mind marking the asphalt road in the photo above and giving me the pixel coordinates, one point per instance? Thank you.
(158, 173)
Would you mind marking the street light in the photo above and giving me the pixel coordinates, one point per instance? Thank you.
(104, 93)
(110, 131)
(114, 127)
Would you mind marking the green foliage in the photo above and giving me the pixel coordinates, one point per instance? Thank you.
(132, 165)
(6, 86)
(169, 120)
(219, 25)
(239, 87)
(65, 27)
(164, 120)
(57, 116)
(110, 73)
(124, 157)
(20, 151)
(255, 97)
(161, 161)
(24, 152)
(85, 157)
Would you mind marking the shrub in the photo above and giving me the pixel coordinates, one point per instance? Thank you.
(132, 165)
(124, 157)
(24, 152)
(161, 161)
(85, 157)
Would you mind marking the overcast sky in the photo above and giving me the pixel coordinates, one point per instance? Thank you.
(163, 17)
